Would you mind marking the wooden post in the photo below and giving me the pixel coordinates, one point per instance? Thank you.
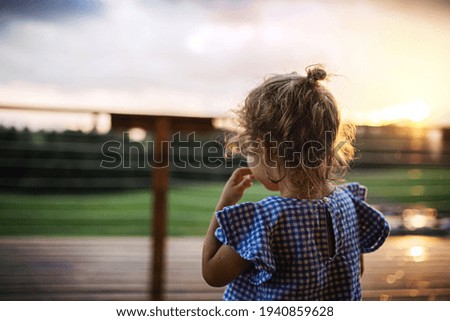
(162, 127)
(160, 186)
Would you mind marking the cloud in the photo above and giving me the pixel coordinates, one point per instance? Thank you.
(183, 56)
(46, 9)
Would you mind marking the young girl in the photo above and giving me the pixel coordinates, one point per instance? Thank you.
(305, 244)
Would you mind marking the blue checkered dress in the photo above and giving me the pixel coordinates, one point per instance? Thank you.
(286, 239)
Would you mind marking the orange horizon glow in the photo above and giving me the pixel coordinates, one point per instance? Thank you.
(413, 114)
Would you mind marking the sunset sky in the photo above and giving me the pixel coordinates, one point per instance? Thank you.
(202, 57)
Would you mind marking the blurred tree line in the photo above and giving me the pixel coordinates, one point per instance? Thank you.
(74, 161)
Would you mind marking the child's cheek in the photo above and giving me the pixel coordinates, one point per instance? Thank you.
(269, 185)
(260, 173)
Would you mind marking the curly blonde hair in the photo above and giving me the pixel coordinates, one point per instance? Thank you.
(298, 122)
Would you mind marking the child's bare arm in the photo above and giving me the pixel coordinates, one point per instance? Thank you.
(220, 263)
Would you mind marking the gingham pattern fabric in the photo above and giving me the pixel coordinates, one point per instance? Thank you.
(286, 240)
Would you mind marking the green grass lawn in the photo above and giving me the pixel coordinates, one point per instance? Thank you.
(191, 206)
(420, 186)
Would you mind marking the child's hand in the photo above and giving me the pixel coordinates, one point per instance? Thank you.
(240, 180)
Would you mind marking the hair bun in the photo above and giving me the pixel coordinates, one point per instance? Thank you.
(315, 72)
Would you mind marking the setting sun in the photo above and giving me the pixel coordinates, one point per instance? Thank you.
(415, 112)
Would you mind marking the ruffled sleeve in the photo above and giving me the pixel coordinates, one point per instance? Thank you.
(244, 228)
(373, 227)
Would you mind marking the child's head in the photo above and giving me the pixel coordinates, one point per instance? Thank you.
(292, 123)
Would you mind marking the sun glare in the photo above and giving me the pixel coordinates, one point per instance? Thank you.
(417, 253)
(413, 112)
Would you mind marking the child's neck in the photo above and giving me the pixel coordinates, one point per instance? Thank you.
(288, 192)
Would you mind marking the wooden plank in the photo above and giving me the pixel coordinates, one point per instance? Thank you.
(120, 122)
(116, 269)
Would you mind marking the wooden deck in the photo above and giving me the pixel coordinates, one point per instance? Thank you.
(39, 268)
